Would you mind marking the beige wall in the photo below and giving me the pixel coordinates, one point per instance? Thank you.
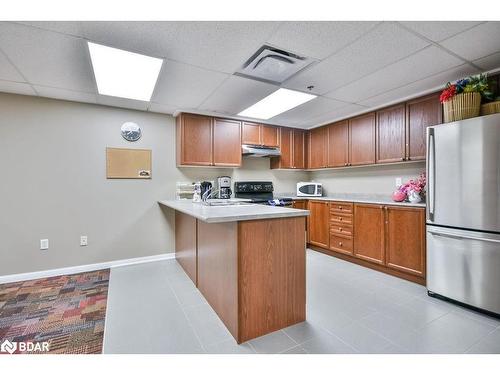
(374, 179)
(53, 185)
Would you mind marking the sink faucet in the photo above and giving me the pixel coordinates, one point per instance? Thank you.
(207, 195)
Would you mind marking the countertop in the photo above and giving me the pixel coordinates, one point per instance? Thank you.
(357, 198)
(217, 214)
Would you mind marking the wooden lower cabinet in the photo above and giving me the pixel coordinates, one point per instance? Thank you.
(186, 244)
(369, 232)
(387, 238)
(319, 223)
(405, 250)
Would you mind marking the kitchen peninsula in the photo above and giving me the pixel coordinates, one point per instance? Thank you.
(247, 260)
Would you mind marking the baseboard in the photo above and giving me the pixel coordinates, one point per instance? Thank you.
(84, 268)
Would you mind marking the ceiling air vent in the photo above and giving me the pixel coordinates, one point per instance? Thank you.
(273, 65)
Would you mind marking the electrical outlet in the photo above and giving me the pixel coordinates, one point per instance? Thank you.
(398, 182)
(44, 244)
(83, 241)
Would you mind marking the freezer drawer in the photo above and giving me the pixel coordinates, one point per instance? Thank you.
(464, 266)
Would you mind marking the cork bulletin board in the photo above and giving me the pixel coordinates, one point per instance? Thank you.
(128, 163)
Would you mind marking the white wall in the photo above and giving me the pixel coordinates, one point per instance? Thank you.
(373, 179)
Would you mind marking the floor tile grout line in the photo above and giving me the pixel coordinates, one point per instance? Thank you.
(482, 339)
(290, 337)
(186, 317)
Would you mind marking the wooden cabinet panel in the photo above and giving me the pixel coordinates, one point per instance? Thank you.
(421, 113)
(340, 218)
(318, 146)
(186, 245)
(362, 140)
(269, 136)
(369, 232)
(286, 149)
(227, 143)
(406, 239)
(251, 133)
(319, 223)
(341, 207)
(194, 140)
(341, 244)
(298, 159)
(301, 205)
(338, 144)
(391, 139)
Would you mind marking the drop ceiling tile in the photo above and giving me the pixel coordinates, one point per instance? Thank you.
(185, 86)
(236, 94)
(480, 41)
(150, 38)
(220, 46)
(420, 65)
(306, 111)
(439, 30)
(16, 88)
(384, 45)
(75, 96)
(122, 102)
(489, 62)
(332, 116)
(318, 39)
(64, 27)
(161, 108)
(427, 85)
(7, 71)
(47, 58)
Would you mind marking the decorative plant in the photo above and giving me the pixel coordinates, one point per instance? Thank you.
(477, 83)
(417, 185)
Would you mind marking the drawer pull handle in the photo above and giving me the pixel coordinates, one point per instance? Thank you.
(340, 218)
(340, 207)
(340, 229)
(340, 243)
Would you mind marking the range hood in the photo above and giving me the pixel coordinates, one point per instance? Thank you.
(260, 151)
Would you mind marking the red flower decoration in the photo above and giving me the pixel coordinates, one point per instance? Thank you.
(448, 93)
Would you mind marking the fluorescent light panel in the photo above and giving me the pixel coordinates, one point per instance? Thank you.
(278, 102)
(124, 74)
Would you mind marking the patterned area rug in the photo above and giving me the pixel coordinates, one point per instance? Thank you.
(68, 312)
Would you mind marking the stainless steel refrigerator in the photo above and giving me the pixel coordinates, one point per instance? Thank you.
(463, 211)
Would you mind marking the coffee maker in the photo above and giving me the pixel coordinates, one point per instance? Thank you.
(224, 184)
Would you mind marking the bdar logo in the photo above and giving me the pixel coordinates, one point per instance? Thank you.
(8, 347)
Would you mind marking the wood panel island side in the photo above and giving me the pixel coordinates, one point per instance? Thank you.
(249, 262)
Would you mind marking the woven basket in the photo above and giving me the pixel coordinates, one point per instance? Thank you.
(462, 106)
(490, 108)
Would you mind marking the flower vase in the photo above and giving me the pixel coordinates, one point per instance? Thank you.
(414, 196)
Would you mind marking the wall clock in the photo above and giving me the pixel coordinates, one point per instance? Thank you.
(131, 131)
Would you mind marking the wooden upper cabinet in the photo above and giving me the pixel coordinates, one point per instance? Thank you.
(338, 144)
(318, 147)
(369, 232)
(318, 226)
(362, 140)
(251, 133)
(405, 249)
(292, 147)
(299, 153)
(258, 134)
(227, 143)
(194, 140)
(421, 113)
(391, 132)
(269, 136)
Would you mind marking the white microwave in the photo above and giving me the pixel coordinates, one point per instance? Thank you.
(309, 189)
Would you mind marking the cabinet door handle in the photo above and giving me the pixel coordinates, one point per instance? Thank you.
(340, 243)
(340, 229)
(402, 159)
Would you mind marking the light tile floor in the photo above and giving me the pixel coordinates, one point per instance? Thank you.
(155, 308)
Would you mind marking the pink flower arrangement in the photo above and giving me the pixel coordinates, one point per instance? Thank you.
(417, 186)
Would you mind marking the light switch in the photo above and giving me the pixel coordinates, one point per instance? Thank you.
(83, 241)
(44, 244)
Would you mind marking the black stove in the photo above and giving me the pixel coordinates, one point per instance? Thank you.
(260, 192)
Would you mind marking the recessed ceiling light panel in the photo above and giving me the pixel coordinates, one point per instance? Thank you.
(278, 102)
(124, 74)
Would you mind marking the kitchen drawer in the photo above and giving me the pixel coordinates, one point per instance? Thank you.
(341, 229)
(341, 244)
(340, 218)
(339, 207)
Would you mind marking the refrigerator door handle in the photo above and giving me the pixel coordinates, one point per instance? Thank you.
(461, 236)
(431, 160)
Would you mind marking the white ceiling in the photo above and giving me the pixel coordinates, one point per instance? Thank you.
(359, 65)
